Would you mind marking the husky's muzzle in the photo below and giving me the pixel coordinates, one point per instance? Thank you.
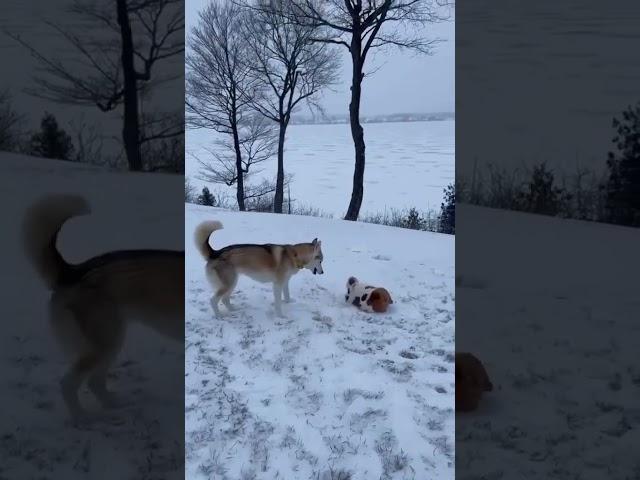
(315, 271)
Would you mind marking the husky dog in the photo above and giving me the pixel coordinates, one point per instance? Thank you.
(267, 263)
(92, 302)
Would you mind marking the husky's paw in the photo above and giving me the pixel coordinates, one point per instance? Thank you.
(86, 420)
(114, 420)
(113, 402)
(289, 300)
(81, 419)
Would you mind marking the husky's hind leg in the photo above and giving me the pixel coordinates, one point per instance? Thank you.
(231, 280)
(71, 382)
(223, 278)
(91, 332)
(108, 352)
(67, 331)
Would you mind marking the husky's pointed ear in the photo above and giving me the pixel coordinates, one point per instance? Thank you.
(315, 242)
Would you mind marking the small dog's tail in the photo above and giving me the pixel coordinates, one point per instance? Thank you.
(201, 237)
(42, 223)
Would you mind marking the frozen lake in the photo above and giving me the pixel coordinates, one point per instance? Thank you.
(408, 164)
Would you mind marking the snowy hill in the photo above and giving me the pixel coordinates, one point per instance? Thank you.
(555, 320)
(129, 211)
(329, 388)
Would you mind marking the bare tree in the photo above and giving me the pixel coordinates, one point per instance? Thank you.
(260, 195)
(257, 144)
(89, 142)
(189, 191)
(117, 67)
(10, 121)
(362, 26)
(219, 91)
(289, 67)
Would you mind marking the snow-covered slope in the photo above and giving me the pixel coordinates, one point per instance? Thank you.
(37, 441)
(329, 388)
(551, 306)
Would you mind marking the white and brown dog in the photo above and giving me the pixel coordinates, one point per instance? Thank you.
(366, 297)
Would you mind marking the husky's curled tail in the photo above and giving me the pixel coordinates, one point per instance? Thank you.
(202, 234)
(42, 224)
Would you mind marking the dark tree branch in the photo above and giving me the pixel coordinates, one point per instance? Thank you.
(153, 32)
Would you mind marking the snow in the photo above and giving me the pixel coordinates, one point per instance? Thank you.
(37, 440)
(408, 165)
(551, 308)
(329, 388)
(326, 389)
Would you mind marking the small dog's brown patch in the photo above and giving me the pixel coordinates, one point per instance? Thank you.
(472, 381)
(379, 300)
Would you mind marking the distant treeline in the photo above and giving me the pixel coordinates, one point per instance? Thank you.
(610, 197)
(83, 143)
(439, 221)
(388, 118)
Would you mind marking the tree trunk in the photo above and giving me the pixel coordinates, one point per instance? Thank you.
(131, 127)
(278, 198)
(239, 171)
(357, 132)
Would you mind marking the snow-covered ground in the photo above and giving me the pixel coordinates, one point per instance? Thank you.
(551, 307)
(329, 388)
(36, 439)
(408, 165)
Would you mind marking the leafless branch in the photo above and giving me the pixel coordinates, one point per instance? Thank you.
(291, 62)
(257, 142)
(98, 79)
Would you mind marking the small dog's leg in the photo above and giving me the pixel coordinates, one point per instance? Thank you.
(277, 297)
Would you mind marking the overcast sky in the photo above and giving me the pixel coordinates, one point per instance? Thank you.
(404, 82)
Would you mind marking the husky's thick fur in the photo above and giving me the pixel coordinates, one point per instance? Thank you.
(92, 302)
(267, 263)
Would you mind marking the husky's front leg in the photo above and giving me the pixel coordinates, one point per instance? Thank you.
(215, 300)
(277, 298)
(285, 290)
